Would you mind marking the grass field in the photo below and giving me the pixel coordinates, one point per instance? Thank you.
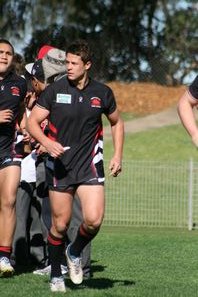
(127, 262)
(167, 143)
(170, 145)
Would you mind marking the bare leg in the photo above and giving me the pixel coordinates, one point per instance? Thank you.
(9, 182)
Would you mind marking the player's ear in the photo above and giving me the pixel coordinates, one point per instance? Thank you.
(88, 65)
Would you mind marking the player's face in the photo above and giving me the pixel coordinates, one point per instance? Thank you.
(76, 68)
(37, 85)
(6, 58)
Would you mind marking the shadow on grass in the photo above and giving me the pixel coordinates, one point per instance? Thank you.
(100, 284)
(97, 283)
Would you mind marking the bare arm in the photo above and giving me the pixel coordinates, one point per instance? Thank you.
(117, 130)
(37, 116)
(186, 114)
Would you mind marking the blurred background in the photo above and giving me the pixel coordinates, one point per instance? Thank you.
(133, 40)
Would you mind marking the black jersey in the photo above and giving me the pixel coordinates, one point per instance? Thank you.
(193, 88)
(75, 120)
(12, 93)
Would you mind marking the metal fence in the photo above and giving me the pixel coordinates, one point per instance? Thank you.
(153, 194)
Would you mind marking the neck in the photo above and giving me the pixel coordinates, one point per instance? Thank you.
(81, 84)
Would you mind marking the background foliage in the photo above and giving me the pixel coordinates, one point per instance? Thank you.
(142, 40)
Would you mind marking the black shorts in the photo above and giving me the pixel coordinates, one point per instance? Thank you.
(61, 180)
(9, 161)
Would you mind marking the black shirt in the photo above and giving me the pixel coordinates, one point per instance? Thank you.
(75, 120)
(12, 93)
(193, 88)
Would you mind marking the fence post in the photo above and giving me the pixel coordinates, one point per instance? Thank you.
(190, 196)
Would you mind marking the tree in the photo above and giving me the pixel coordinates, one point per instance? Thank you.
(132, 40)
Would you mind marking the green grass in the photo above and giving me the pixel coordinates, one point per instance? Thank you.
(127, 262)
(167, 143)
(126, 116)
(150, 186)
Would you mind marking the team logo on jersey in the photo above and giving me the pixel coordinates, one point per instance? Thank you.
(96, 102)
(15, 91)
(63, 98)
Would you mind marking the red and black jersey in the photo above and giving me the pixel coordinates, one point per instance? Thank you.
(12, 92)
(193, 88)
(75, 120)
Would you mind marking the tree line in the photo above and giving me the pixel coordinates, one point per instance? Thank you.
(144, 40)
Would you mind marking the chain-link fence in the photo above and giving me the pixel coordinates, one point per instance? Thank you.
(153, 194)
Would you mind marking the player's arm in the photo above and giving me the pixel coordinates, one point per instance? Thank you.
(185, 110)
(37, 116)
(21, 122)
(117, 130)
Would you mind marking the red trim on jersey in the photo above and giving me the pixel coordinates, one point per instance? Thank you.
(51, 137)
(52, 128)
(52, 132)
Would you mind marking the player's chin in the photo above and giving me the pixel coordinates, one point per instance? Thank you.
(3, 68)
(70, 77)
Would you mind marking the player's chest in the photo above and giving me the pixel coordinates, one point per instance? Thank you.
(78, 103)
(9, 96)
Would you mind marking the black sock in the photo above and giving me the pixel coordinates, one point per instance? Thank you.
(83, 237)
(56, 248)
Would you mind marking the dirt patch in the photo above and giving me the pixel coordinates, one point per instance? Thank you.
(145, 98)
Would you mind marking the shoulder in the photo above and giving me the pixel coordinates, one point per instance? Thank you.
(14, 78)
(100, 86)
(56, 85)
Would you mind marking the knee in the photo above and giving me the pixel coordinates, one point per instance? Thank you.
(7, 204)
(60, 226)
(93, 223)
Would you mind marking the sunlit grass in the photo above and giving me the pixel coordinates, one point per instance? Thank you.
(166, 143)
(127, 262)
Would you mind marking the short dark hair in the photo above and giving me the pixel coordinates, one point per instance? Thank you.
(7, 42)
(81, 48)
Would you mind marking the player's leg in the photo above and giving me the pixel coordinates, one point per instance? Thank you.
(93, 204)
(9, 182)
(76, 220)
(61, 205)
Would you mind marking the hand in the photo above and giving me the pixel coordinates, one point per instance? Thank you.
(26, 136)
(40, 149)
(54, 148)
(115, 167)
(6, 116)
